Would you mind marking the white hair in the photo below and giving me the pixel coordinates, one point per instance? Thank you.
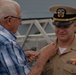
(8, 8)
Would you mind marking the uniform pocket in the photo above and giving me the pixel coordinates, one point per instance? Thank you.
(69, 69)
(48, 70)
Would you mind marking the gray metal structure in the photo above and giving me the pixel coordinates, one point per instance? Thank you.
(28, 41)
(40, 8)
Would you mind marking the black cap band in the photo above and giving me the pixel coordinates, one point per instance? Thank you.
(65, 16)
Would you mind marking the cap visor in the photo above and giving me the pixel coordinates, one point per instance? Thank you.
(56, 23)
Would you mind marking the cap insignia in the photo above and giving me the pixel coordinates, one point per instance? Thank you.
(61, 12)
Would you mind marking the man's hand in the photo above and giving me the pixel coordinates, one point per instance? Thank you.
(49, 51)
(31, 55)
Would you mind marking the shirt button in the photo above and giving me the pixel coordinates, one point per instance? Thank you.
(58, 68)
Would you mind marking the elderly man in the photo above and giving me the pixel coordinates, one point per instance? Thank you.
(12, 59)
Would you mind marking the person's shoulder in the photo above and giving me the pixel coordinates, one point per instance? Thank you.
(2, 39)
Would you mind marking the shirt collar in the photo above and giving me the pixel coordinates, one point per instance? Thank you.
(9, 34)
(71, 47)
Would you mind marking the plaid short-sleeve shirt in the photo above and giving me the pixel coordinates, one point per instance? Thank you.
(12, 58)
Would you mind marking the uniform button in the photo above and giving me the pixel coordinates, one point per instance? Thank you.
(58, 68)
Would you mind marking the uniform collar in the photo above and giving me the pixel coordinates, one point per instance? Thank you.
(71, 47)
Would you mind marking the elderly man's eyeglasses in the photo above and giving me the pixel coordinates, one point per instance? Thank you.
(13, 17)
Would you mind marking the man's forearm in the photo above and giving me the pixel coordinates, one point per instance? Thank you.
(46, 53)
(38, 67)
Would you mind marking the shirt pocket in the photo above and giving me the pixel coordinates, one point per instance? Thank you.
(48, 69)
(69, 69)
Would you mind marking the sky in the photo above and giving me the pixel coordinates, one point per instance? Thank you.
(40, 8)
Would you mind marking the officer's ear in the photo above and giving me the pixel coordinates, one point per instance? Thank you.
(75, 25)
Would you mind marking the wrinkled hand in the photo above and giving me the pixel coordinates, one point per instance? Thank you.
(31, 55)
(49, 51)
